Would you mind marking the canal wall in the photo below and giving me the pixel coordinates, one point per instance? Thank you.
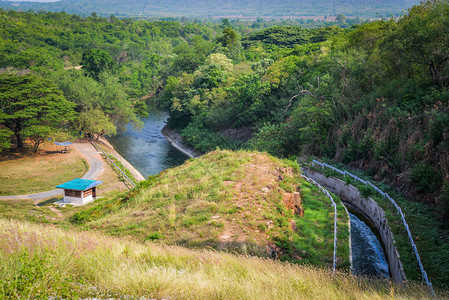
(177, 141)
(136, 174)
(371, 211)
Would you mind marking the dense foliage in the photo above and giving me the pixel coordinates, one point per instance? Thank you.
(105, 68)
(373, 96)
(31, 107)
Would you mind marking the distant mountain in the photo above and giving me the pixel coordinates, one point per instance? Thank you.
(220, 8)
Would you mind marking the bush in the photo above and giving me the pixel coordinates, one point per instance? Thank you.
(444, 202)
(205, 140)
(425, 178)
(154, 236)
(366, 191)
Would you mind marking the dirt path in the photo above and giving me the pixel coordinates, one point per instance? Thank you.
(96, 163)
(57, 211)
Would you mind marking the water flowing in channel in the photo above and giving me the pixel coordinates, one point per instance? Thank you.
(147, 149)
(368, 257)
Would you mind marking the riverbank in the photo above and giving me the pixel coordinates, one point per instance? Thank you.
(177, 141)
(136, 174)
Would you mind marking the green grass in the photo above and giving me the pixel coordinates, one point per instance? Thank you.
(430, 238)
(26, 210)
(316, 228)
(42, 262)
(177, 202)
(201, 201)
(38, 174)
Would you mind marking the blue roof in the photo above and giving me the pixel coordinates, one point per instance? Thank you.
(79, 184)
(63, 143)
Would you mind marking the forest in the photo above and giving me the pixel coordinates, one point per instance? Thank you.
(373, 96)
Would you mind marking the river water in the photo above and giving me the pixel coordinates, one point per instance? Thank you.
(147, 149)
(368, 256)
(150, 153)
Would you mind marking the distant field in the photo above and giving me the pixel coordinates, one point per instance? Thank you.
(209, 8)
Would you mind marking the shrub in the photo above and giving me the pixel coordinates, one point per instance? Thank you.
(444, 202)
(425, 178)
(366, 191)
(205, 140)
(262, 227)
(154, 236)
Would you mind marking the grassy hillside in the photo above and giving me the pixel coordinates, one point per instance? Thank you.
(41, 261)
(236, 201)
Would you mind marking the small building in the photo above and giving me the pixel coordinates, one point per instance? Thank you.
(79, 191)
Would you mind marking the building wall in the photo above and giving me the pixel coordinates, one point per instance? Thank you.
(85, 197)
(74, 200)
(88, 199)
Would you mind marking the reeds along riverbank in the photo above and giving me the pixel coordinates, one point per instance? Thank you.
(42, 261)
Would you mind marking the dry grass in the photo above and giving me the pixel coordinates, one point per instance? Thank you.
(42, 172)
(42, 261)
(111, 181)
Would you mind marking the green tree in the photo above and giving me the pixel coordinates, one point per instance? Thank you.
(95, 123)
(96, 61)
(341, 18)
(191, 56)
(421, 40)
(107, 95)
(231, 42)
(229, 37)
(32, 107)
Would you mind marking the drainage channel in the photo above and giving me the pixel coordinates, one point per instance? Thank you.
(368, 257)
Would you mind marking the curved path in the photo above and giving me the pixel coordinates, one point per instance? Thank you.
(96, 166)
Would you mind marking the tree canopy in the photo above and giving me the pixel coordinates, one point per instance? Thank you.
(32, 107)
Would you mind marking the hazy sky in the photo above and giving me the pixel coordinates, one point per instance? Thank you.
(33, 0)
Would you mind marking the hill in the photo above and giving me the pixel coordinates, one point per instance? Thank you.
(242, 202)
(209, 8)
(43, 262)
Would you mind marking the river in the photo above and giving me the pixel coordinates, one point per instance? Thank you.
(147, 149)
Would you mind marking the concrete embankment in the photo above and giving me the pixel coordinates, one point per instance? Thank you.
(177, 141)
(371, 211)
(136, 174)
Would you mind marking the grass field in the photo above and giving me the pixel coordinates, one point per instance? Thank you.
(38, 261)
(33, 174)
